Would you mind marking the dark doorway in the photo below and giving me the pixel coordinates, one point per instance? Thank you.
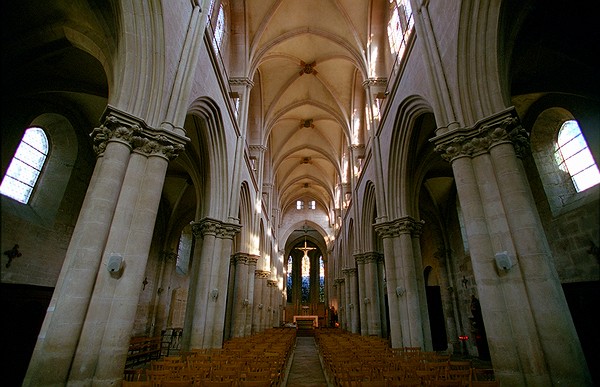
(436, 318)
(23, 311)
(583, 299)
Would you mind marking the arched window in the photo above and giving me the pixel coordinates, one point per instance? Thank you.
(26, 165)
(219, 29)
(400, 25)
(289, 279)
(184, 250)
(574, 157)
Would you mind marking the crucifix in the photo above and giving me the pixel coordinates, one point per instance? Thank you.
(305, 249)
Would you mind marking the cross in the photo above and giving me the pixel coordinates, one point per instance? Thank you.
(305, 249)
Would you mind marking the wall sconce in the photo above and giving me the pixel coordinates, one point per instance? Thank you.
(367, 300)
(115, 263)
(400, 291)
(214, 294)
(504, 261)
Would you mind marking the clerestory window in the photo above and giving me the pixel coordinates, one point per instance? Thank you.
(219, 29)
(26, 165)
(574, 157)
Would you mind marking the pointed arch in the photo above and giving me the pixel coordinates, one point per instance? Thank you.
(208, 157)
(406, 159)
(369, 214)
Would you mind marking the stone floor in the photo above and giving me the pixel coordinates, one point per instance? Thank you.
(305, 369)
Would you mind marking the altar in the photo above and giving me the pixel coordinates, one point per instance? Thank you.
(315, 320)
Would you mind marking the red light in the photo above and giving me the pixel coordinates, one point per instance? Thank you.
(463, 338)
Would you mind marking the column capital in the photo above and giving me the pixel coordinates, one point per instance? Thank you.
(241, 81)
(375, 81)
(403, 225)
(239, 258)
(262, 274)
(372, 256)
(359, 258)
(340, 281)
(252, 259)
(272, 283)
(350, 271)
(209, 226)
(133, 131)
(228, 230)
(500, 128)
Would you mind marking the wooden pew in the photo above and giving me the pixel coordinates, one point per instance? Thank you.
(142, 349)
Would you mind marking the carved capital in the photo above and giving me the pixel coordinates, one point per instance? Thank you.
(340, 281)
(123, 127)
(500, 128)
(241, 81)
(372, 257)
(359, 258)
(350, 271)
(206, 226)
(379, 82)
(112, 129)
(272, 283)
(252, 259)
(262, 274)
(239, 259)
(228, 230)
(404, 225)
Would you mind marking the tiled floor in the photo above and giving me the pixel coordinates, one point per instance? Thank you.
(306, 370)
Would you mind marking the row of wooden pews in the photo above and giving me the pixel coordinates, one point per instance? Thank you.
(259, 360)
(352, 360)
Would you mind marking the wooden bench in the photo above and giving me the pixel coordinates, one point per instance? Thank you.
(143, 349)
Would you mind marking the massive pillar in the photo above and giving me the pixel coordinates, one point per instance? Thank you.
(207, 297)
(530, 332)
(372, 297)
(362, 294)
(353, 300)
(95, 300)
(252, 261)
(240, 296)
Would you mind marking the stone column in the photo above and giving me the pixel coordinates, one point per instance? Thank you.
(240, 297)
(260, 285)
(272, 286)
(335, 291)
(115, 299)
(252, 261)
(362, 294)
(222, 258)
(416, 231)
(344, 310)
(205, 232)
(413, 285)
(523, 306)
(388, 231)
(372, 299)
(296, 280)
(85, 290)
(351, 282)
(382, 296)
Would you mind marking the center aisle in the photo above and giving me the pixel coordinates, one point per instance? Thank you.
(306, 370)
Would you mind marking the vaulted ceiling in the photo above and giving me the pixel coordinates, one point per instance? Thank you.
(308, 60)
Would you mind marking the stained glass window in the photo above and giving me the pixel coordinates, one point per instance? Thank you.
(574, 157)
(26, 165)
